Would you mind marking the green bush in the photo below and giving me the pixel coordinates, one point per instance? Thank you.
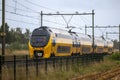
(18, 46)
(115, 56)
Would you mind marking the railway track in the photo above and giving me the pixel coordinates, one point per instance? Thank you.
(108, 75)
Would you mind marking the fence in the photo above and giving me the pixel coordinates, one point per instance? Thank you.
(12, 67)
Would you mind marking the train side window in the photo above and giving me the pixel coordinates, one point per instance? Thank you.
(55, 35)
(105, 46)
(94, 45)
(79, 44)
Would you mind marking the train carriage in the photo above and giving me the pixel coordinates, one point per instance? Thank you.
(99, 45)
(46, 42)
(105, 47)
(63, 43)
(85, 42)
(110, 46)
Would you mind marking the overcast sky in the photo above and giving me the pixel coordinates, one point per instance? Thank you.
(107, 12)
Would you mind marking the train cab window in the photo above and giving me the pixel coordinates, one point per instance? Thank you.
(39, 38)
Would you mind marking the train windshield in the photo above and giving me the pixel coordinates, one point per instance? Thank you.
(39, 38)
(38, 41)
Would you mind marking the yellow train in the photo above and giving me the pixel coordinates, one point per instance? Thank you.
(46, 42)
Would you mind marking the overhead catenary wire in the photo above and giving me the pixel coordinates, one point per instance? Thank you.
(31, 10)
(103, 26)
(31, 23)
(102, 31)
(33, 17)
(28, 11)
(34, 10)
(24, 6)
(40, 6)
(61, 14)
(27, 15)
(54, 22)
(84, 20)
(20, 21)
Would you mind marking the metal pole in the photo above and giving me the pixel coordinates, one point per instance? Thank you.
(85, 29)
(14, 67)
(106, 35)
(119, 38)
(26, 67)
(93, 28)
(41, 18)
(3, 28)
(0, 67)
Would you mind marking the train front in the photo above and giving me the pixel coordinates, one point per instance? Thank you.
(39, 43)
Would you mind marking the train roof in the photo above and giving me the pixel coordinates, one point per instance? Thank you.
(108, 40)
(56, 30)
(84, 36)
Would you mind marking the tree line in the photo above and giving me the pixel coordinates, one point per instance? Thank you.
(15, 35)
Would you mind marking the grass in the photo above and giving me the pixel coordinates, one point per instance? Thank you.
(79, 71)
(75, 71)
(15, 52)
(57, 74)
(16, 49)
(115, 56)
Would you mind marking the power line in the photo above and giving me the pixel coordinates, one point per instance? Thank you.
(20, 9)
(112, 32)
(21, 14)
(102, 31)
(31, 23)
(24, 6)
(21, 21)
(40, 5)
(103, 26)
(84, 20)
(30, 17)
(59, 14)
(54, 22)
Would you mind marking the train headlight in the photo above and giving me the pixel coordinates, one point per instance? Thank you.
(39, 54)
